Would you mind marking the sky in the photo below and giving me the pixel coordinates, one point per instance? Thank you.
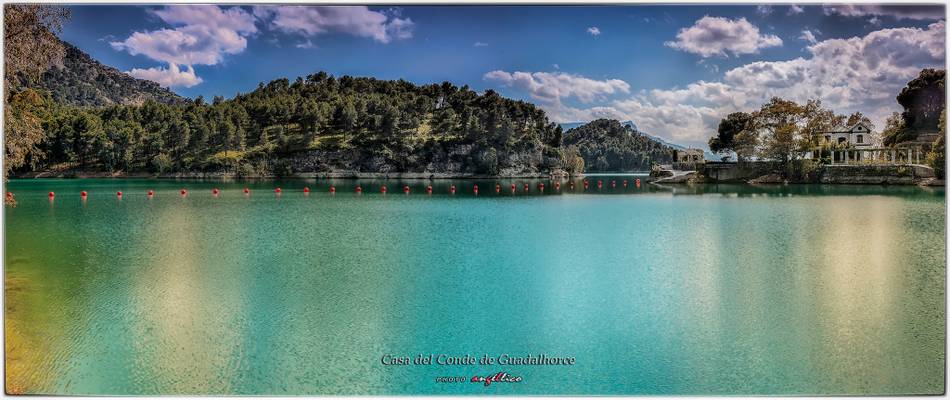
(675, 70)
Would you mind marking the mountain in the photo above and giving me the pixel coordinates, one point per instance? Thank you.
(82, 81)
(709, 156)
(609, 145)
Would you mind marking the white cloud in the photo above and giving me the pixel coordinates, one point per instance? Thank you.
(480, 44)
(808, 36)
(353, 20)
(170, 77)
(763, 10)
(918, 12)
(795, 9)
(551, 87)
(205, 35)
(306, 44)
(856, 74)
(595, 31)
(711, 36)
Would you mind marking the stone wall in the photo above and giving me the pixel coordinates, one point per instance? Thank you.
(736, 172)
(906, 174)
(876, 174)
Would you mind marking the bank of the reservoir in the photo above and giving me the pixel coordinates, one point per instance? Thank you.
(804, 171)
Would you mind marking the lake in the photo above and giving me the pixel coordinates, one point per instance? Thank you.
(708, 289)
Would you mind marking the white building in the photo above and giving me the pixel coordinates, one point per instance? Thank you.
(858, 136)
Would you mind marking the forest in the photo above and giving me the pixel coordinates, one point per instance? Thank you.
(318, 123)
(67, 114)
(608, 145)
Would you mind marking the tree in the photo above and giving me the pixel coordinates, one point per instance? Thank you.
(30, 47)
(729, 127)
(923, 99)
(893, 129)
(937, 157)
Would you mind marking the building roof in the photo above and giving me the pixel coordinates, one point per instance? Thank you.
(846, 129)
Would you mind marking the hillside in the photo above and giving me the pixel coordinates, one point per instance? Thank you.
(608, 145)
(317, 124)
(82, 81)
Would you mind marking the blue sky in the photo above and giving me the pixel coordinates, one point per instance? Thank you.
(674, 70)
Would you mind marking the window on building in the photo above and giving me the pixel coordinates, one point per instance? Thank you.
(842, 140)
(860, 139)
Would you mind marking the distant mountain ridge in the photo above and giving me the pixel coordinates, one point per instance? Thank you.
(80, 80)
(571, 125)
(609, 145)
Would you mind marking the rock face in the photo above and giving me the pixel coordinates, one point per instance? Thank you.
(875, 174)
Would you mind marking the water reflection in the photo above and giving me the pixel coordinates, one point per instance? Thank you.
(746, 290)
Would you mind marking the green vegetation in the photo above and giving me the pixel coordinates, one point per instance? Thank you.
(923, 100)
(74, 115)
(317, 123)
(781, 130)
(607, 145)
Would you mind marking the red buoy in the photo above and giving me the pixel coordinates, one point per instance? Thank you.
(586, 184)
(541, 186)
(306, 189)
(277, 190)
(118, 194)
(51, 194)
(151, 193)
(600, 183)
(613, 184)
(215, 191)
(333, 189)
(513, 188)
(557, 186)
(405, 189)
(525, 187)
(247, 191)
(359, 189)
(452, 189)
(83, 194)
(383, 189)
(638, 182)
(475, 189)
(624, 183)
(183, 192)
(497, 188)
(429, 189)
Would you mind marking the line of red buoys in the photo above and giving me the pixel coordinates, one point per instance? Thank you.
(406, 189)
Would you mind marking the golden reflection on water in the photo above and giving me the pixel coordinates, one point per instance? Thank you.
(186, 333)
(861, 268)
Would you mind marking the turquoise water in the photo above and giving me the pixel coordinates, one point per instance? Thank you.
(717, 289)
